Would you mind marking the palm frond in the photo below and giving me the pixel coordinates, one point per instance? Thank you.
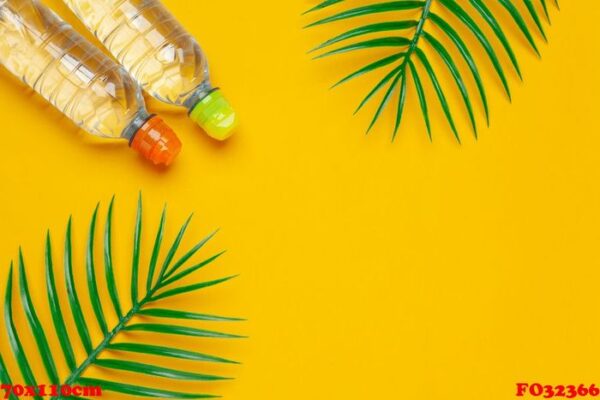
(161, 283)
(416, 32)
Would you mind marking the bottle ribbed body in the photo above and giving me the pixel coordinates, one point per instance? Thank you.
(68, 71)
(149, 42)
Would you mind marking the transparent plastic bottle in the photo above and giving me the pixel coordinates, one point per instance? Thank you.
(78, 79)
(156, 50)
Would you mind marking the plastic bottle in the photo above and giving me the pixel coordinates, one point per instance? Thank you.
(78, 79)
(156, 50)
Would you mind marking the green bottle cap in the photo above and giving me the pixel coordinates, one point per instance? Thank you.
(215, 115)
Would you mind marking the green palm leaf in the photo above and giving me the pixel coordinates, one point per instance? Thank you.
(159, 312)
(105, 354)
(148, 369)
(403, 26)
(179, 330)
(167, 352)
(13, 335)
(108, 262)
(57, 317)
(91, 277)
(140, 391)
(35, 325)
(80, 322)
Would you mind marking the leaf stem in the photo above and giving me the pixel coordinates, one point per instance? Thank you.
(400, 71)
(418, 33)
(76, 373)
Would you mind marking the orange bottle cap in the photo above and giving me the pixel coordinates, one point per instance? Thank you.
(156, 142)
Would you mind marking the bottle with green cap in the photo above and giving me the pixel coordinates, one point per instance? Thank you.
(165, 59)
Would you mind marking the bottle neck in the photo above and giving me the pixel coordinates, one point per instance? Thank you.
(134, 126)
(201, 91)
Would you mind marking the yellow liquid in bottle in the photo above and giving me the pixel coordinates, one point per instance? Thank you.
(146, 39)
(74, 76)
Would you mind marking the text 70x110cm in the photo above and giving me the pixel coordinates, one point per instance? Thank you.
(49, 390)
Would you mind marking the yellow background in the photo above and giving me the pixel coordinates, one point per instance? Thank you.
(368, 269)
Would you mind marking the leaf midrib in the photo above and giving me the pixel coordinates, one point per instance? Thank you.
(76, 374)
(417, 36)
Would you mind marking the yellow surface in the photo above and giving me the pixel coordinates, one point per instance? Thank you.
(368, 270)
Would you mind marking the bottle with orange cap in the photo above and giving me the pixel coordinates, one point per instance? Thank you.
(78, 79)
